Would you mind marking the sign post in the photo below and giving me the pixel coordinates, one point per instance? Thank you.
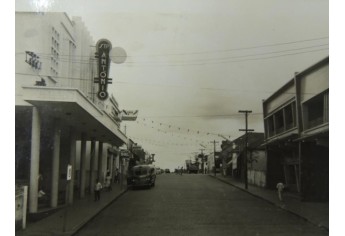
(68, 180)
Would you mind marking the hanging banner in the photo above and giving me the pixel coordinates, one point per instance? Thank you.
(103, 48)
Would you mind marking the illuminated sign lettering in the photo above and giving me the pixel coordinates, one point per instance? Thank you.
(103, 48)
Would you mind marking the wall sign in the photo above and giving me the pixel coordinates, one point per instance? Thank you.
(69, 172)
(103, 48)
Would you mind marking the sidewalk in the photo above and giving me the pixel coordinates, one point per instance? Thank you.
(69, 220)
(316, 213)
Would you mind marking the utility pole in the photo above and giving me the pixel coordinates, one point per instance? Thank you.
(245, 148)
(214, 156)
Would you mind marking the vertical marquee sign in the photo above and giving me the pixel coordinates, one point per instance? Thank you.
(103, 48)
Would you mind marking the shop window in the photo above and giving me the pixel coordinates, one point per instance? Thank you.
(314, 111)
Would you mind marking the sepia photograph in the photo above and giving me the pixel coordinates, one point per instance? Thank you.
(183, 117)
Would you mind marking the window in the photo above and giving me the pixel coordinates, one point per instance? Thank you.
(269, 126)
(140, 171)
(315, 111)
(289, 113)
(279, 121)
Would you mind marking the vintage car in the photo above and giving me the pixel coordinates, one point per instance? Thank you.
(142, 175)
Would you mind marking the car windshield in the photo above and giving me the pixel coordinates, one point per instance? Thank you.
(140, 171)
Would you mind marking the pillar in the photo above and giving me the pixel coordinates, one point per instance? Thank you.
(100, 160)
(111, 164)
(82, 165)
(35, 160)
(55, 165)
(93, 163)
(72, 158)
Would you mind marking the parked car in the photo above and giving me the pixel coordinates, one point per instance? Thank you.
(142, 175)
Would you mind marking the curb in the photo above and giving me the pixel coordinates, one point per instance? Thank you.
(83, 224)
(272, 203)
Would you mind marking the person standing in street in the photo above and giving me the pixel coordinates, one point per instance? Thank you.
(98, 188)
(280, 187)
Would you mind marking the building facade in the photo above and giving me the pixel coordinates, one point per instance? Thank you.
(296, 125)
(60, 125)
(233, 164)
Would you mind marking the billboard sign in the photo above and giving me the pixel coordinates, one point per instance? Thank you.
(129, 115)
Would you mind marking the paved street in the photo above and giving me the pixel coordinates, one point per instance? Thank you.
(195, 205)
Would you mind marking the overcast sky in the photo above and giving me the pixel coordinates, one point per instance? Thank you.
(193, 64)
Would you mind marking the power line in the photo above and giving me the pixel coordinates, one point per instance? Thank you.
(202, 61)
(74, 59)
(197, 116)
(241, 48)
(225, 61)
(156, 85)
(216, 51)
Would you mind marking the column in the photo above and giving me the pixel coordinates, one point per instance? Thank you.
(111, 164)
(72, 157)
(35, 160)
(93, 162)
(100, 160)
(82, 165)
(55, 165)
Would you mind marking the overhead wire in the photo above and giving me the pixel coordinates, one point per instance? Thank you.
(156, 85)
(89, 59)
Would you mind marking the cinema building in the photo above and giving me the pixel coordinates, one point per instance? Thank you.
(66, 137)
(296, 121)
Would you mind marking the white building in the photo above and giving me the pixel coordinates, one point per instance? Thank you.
(59, 120)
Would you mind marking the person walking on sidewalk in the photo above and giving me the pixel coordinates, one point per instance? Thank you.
(108, 182)
(116, 179)
(280, 188)
(98, 188)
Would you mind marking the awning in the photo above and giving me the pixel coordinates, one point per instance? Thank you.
(75, 110)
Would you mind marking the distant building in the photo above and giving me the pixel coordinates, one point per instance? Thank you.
(296, 120)
(59, 119)
(232, 156)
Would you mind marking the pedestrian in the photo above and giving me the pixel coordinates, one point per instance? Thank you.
(116, 179)
(181, 171)
(98, 188)
(280, 187)
(108, 182)
(40, 182)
